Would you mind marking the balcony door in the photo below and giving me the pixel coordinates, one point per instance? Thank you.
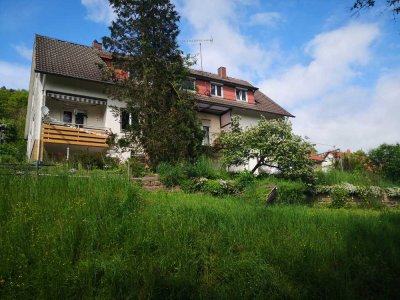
(67, 117)
(80, 119)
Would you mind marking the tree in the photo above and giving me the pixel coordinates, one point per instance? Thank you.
(357, 161)
(387, 160)
(143, 43)
(393, 5)
(12, 124)
(272, 143)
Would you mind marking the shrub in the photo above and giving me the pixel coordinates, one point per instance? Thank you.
(339, 196)
(393, 192)
(387, 160)
(176, 174)
(370, 196)
(90, 161)
(137, 167)
(171, 175)
(291, 192)
(194, 185)
(110, 163)
(214, 188)
(244, 179)
(203, 167)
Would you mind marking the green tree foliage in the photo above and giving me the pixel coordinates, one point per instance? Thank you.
(357, 161)
(387, 160)
(12, 124)
(143, 43)
(272, 143)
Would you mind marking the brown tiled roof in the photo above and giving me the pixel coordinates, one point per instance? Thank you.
(62, 58)
(263, 104)
(216, 77)
(67, 59)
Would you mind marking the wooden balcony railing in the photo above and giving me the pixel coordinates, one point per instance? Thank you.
(74, 136)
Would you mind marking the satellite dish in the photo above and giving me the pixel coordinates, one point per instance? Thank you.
(45, 110)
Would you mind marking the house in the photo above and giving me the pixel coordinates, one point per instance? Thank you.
(318, 160)
(69, 110)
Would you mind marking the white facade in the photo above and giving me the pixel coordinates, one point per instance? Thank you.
(96, 116)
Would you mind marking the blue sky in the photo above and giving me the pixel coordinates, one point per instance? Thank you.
(338, 73)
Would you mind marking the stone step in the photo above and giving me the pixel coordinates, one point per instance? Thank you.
(150, 182)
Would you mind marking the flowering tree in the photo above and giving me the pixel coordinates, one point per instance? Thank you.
(272, 143)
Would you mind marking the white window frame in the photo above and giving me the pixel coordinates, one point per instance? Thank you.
(206, 138)
(242, 91)
(217, 84)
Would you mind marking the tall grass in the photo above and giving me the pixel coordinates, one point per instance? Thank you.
(172, 175)
(356, 177)
(103, 238)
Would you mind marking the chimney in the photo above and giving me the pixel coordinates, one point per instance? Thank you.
(97, 45)
(222, 72)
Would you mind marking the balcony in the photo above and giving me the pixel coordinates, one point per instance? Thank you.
(74, 134)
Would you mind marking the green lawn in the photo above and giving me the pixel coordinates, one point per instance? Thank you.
(66, 237)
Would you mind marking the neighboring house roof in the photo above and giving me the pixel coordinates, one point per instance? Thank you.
(315, 157)
(53, 56)
(335, 153)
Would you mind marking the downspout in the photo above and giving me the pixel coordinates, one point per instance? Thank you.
(40, 146)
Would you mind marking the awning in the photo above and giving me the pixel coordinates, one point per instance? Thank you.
(212, 108)
(76, 98)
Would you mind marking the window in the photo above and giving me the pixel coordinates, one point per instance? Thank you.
(216, 90)
(67, 117)
(125, 120)
(241, 95)
(80, 118)
(206, 138)
(189, 84)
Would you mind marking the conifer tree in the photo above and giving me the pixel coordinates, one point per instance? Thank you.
(143, 42)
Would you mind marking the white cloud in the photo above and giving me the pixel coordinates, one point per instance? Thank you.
(99, 11)
(266, 18)
(243, 57)
(13, 75)
(329, 106)
(335, 56)
(354, 118)
(24, 51)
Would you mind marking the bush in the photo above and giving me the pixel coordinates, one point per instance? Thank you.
(220, 187)
(137, 167)
(173, 175)
(194, 185)
(387, 161)
(244, 179)
(339, 197)
(214, 188)
(393, 192)
(291, 192)
(370, 196)
(91, 161)
(203, 167)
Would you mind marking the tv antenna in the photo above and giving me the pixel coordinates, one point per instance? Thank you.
(199, 41)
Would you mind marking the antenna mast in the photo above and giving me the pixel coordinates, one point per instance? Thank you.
(199, 41)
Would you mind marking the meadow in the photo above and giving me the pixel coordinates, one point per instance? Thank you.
(71, 237)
